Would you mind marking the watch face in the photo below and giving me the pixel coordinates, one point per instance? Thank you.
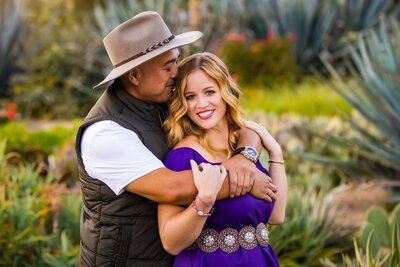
(251, 152)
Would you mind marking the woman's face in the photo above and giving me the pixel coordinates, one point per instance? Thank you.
(206, 108)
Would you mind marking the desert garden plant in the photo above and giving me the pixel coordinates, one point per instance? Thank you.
(381, 233)
(263, 62)
(34, 146)
(373, 62)
(31, 206)
(307, 236)
(318, 25)
(11, 30)
(309, 98)
(46, 85)
(378, 243)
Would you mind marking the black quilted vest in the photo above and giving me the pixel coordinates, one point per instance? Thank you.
(121, 230)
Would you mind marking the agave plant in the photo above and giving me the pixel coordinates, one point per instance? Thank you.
(355, 15)
(308, 234)
(11, 27)
(379, 242)
(68, 253)
(374, 64)
(317, 25)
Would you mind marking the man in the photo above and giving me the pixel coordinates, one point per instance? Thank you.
(120, 146)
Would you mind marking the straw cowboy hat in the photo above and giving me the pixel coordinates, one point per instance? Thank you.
(140, 39)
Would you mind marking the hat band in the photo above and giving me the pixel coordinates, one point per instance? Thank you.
(147, 50)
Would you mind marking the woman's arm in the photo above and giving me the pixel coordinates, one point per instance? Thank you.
(277, 171)
(278, 175)
(179, 227)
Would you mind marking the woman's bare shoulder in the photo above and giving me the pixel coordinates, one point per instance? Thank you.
(189, 141)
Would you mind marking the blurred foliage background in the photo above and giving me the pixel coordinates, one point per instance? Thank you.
(322, 76)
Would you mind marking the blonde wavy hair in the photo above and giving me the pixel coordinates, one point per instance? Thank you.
(179, 125)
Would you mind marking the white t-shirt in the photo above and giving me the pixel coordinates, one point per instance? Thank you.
(115, 155)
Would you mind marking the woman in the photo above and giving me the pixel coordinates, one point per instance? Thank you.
(202, 128)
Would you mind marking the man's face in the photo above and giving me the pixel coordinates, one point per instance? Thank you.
(157, 77)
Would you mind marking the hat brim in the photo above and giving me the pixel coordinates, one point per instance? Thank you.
(178, 41)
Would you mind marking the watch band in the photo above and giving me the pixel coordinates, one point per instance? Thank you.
(238, 150)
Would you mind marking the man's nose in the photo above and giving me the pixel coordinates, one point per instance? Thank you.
(174, 71)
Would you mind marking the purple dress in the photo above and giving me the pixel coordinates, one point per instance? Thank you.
(228, 213)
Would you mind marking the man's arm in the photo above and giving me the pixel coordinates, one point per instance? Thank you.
(241, 170)
(101, 151)
(243, 174)
(170, 187)
(165, 186)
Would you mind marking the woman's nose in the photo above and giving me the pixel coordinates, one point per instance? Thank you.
(202, 101)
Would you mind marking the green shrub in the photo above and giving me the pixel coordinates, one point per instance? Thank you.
(260, 62)
(37, 144)
(46, 86)
(309, 98)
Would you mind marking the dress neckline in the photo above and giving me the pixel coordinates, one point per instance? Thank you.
(195, 151)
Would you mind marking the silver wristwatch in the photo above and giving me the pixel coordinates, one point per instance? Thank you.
(248, 152)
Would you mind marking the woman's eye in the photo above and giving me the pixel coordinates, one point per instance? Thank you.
(210, 92)
(189, 97)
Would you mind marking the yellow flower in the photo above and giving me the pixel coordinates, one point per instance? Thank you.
(57, 22)
(18, 89)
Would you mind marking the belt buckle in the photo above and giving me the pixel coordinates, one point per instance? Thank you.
(230, 240)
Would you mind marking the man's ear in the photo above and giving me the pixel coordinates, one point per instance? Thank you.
(133, 76)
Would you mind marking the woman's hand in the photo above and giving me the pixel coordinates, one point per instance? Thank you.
(208, 180)
(269, 142)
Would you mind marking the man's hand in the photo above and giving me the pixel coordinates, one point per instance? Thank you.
(242, 173)
(263, 188)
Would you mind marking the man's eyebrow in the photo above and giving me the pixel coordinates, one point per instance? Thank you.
(172, 60)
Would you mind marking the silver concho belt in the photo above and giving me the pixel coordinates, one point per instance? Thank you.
(230, 240)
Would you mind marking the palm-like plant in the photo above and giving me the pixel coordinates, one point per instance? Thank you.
(373, 62)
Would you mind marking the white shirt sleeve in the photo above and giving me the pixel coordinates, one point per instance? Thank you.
(115, 155)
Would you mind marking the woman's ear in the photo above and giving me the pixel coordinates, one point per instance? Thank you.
(134, 76)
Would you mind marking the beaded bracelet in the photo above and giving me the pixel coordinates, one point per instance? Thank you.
(204, 203)
(276, 161)
(201, 213)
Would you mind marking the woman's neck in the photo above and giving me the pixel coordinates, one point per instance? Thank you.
(218, 138)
